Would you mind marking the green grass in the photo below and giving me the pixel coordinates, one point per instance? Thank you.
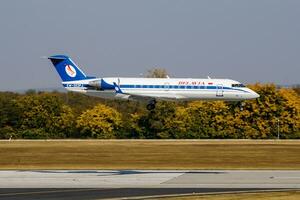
(288, 195)
(150, 154)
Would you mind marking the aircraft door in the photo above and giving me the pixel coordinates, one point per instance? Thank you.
(219, 91)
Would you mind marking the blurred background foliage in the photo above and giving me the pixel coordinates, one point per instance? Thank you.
(71, 115)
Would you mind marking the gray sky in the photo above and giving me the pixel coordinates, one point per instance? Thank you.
(250, 41)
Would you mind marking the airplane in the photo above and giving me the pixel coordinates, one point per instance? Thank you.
(149, 89)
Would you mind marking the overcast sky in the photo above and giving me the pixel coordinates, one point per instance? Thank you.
(250, 41)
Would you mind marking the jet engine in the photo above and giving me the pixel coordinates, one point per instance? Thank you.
(95, 84)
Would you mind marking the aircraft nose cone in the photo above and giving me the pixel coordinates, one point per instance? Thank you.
(255, 95)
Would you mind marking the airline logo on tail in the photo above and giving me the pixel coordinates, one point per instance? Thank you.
(70, 70)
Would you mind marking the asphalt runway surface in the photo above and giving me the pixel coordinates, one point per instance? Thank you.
(96, 193)
(100, 184)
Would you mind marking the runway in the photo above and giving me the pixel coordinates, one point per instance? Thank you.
(150, 179)
(97, 184)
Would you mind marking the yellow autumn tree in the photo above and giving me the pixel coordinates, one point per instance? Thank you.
(289, 119)
(259, 118)
(157, 73)
(219, 119)
(99, 122)
(209, 119)
(179, 124)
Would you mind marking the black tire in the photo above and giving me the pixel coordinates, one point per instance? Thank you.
(153, 101)
(150, 106)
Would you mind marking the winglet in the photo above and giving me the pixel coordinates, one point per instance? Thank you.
(118, 89)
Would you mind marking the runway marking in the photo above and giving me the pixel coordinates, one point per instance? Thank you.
(48, 192)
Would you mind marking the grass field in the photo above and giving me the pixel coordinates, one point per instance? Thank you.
(288, 195)
(150, 154)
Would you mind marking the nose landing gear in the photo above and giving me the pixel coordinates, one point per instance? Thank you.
(241, 105)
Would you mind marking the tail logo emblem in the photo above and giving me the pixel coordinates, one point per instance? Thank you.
(70, 71)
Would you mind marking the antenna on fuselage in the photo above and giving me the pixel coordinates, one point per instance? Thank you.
(208, 77)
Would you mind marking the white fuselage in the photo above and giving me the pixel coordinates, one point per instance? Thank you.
(164, 88)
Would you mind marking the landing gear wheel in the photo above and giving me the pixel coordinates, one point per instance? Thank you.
(151, 105)
(241, 105)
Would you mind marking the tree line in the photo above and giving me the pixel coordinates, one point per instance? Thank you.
(45, 115)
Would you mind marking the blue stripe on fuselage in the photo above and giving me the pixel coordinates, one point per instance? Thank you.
(178, 87)
(107, 86)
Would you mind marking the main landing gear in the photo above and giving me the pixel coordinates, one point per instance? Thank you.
(151, 104)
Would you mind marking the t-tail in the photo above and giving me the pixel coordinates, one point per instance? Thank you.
(67, 69)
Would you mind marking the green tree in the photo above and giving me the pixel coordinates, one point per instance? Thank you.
(60, 115)
(80, 102)
(45, 112)
(153, 124)
(8, 114)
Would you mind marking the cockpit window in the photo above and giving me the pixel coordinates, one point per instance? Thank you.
(238, 85)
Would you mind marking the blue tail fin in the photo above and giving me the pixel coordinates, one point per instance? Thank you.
(66, 68)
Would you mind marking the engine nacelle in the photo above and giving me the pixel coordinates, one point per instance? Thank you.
(95, 84)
